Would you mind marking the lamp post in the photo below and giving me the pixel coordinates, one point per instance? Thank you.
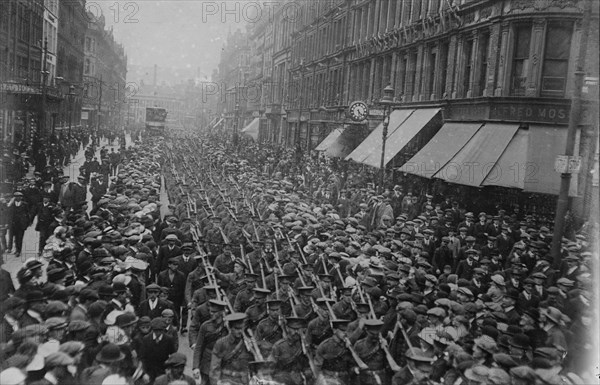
(386, 101)
(71, 96)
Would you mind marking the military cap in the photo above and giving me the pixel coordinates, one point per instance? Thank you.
(235, 318)
(363, 307)
(373, 323)
(274, 304)
(322, 301)
(171, 237)
(305, 290)
(216, 304)
(470, 238)
(340, 323)
(260, 292)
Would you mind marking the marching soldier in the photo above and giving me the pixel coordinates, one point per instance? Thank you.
(230, 355)
(332, 357)
(371, 353)
(210, 331)
(270, 329)
(290, 358)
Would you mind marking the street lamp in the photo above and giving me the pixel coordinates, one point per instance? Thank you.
(386, 101)
(71, 96)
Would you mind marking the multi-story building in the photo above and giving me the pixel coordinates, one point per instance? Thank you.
(482, 80)
(232, 83)
(72, 25)
(50, 31)
(104, 71)
(21, 55)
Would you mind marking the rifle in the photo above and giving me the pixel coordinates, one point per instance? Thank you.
(306, 351)
(372, 310)
(384, 345)
(226, 239)
(277, 257)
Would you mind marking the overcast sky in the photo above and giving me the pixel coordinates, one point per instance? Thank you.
(170, 33)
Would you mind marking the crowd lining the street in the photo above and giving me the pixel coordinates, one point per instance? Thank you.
(284, 269)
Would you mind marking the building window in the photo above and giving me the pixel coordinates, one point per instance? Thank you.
(484, 41)
(468, 55)
(520, 59)
(22, 67)
(556, 59)
(441, 92)
(431, 74)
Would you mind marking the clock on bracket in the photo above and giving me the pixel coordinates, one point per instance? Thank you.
(358, 111)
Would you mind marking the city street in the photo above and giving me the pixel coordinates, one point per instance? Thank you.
(347, 192)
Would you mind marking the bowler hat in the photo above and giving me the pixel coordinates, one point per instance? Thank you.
(110, 353)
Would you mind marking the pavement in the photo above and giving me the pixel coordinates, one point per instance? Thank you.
(30, 241)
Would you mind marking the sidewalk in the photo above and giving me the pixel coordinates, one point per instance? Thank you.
(31, 238)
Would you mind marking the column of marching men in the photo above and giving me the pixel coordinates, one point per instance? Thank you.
(274, 279)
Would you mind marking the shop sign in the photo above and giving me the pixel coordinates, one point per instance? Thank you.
(530, 113)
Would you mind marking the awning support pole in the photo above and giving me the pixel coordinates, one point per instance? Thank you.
(562, 204)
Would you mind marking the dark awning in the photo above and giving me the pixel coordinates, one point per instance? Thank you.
(474, 161)
(450, 139)
(404, 125)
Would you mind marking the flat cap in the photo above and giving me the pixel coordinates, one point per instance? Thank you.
(176, 359)
(158, 323)
(58, 359)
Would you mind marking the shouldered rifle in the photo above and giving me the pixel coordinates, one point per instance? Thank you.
(384, 345)
(277, 258)
(307, 353)
(255, 350)
(371, 308)
(355, 356)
